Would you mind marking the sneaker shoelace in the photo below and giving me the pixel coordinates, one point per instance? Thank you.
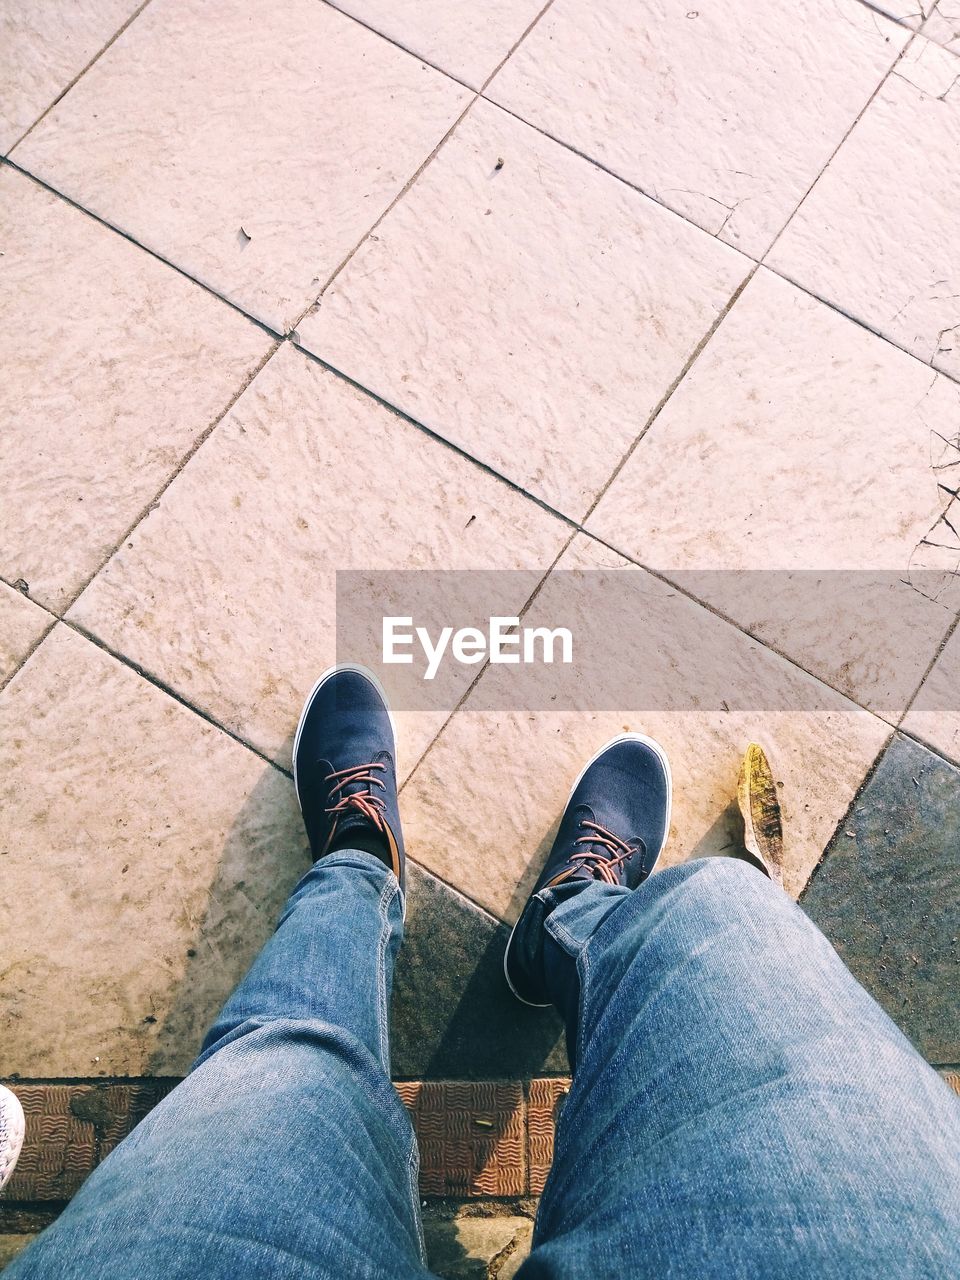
(366, 802)
(596, 861)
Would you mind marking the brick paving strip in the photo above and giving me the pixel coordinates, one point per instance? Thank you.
(490, 1140)
(479, 1140)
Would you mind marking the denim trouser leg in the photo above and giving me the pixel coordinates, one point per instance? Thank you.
(740, 1106)
(286, 1152)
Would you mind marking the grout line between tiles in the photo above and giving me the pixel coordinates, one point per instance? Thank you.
(80, 74)
(369, 232)
(522, 612)
(157, 683)
(661, 575)
(293, 336)
(125, 235)
(458, 891)
(688, 365)
(515, 46)
(27, 596)
(576, 526)
(392, 40)
(900, 22)
(867, 779)
(932, 663)
(51, 614)
(860, 114)
(612, 173)
(485, 467)
(477, 93)
(153, 680)
(201, 439)
(30, 651)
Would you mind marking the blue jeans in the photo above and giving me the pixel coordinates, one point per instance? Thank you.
(740, 1107)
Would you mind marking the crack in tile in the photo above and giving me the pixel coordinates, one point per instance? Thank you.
(950, 444)
(730, 208)
(939, 348)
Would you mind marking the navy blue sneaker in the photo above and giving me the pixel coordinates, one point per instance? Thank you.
(613, 830)
(344, 767)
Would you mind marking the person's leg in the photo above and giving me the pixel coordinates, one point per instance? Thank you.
(740, 1106)
(286, 1152)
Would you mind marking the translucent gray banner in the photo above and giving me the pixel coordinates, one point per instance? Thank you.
(603, 637)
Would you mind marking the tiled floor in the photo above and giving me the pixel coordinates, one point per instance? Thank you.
(286, 290)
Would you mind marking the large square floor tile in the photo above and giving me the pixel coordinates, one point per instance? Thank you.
(725, 113)
(877, 234)
(526, 306)
(145, 856)
(113, 366)
(482, 806)
(465, 39)
(227, 591)
(42, 48)
(252, 144)
(22, 623)
(803, 446)
(886, 895)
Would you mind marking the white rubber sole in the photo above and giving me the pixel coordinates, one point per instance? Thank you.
(12, 1129)
(661, 755)
(327, 675)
